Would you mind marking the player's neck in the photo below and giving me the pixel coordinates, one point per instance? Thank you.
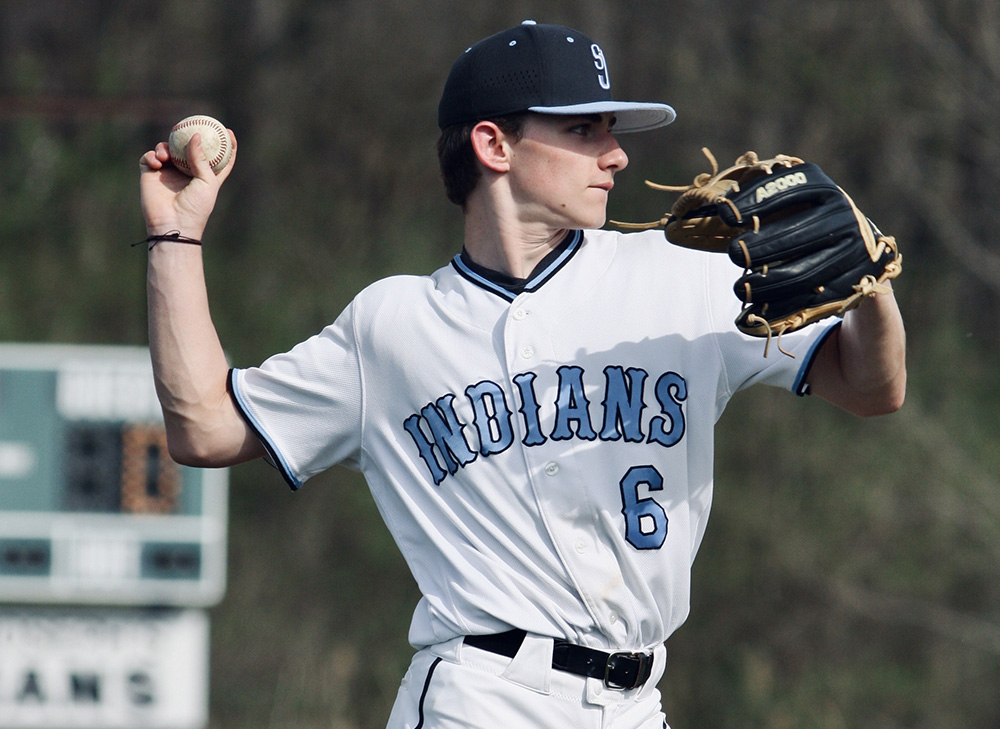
(514, 257)
(506, 245)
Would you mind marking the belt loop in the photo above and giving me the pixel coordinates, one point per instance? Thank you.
(659, 666)
(532, 666)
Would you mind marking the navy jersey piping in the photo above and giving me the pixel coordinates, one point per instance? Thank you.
(531, 285)
(423, 694)
(273, 454)
(801, 387)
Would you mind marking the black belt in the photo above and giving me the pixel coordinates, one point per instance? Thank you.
(617, 670)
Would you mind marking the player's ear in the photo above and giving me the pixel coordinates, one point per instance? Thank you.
(491, 146)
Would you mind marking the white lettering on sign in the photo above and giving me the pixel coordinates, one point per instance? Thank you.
(106, 391)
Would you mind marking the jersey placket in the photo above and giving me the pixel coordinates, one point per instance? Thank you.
(569, 516)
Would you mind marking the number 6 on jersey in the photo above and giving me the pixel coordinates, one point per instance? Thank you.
(645, 520)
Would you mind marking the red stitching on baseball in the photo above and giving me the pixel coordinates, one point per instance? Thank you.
(223, 141)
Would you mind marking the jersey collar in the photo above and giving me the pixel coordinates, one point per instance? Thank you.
(507, 287)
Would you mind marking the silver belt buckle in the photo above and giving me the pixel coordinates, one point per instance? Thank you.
(642, 671)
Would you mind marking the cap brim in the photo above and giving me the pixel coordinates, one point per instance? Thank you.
(630, 116)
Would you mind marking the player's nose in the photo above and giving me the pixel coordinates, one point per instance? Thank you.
(614, 157)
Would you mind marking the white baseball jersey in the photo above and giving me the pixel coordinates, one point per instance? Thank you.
(542, 459)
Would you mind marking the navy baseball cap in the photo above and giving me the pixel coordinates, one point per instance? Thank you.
(548, 69)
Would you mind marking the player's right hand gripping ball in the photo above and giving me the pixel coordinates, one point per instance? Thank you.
(806, 250)
(215, 142)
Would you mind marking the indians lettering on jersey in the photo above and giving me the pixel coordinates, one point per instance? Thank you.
(439, 433)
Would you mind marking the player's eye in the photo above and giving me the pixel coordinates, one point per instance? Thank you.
(591, 126)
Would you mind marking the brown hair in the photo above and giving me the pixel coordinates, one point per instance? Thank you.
(460, 168)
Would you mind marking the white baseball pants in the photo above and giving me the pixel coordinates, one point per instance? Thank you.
(456, 686)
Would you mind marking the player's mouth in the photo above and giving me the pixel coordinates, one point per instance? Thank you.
(606, 186)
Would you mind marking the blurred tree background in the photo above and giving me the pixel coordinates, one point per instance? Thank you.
(851, 572)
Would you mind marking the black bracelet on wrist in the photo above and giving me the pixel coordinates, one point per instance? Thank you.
(173, 236)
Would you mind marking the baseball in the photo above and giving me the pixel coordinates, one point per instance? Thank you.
(215, 141)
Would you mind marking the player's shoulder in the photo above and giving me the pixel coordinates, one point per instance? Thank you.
(647, 258)
(393, 293)
(398, 283)
(649, 247)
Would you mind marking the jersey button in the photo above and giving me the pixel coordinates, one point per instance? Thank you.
(527, 352)
(520, 314)
(581, 547)
(551, 469)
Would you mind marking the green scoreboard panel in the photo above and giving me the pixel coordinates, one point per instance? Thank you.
(92, 508)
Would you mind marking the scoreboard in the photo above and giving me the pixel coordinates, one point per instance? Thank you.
(92, 508)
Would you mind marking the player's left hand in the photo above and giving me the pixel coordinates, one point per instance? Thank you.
(174, 201)
(807, 251)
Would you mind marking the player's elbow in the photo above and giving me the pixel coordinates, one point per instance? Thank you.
(207, 432)
(881, 407)
(188, 451)
(887, 400)
(193, 443)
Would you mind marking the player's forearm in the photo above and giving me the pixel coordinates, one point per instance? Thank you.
(189, 364)
(872, 355)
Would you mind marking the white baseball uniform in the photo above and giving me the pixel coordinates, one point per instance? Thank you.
(543, 459)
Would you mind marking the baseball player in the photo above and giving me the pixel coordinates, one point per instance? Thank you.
(534, 419)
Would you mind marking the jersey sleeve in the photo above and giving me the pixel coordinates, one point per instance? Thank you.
(306, 405)
(745, 362)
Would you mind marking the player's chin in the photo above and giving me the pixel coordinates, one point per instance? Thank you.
(595, 217)
(580, 214)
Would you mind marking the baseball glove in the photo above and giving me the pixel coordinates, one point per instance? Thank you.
(807, 251)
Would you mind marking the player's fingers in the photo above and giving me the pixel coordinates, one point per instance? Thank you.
(197, 160)
(155, 158)
(224, 172)
(149, 161)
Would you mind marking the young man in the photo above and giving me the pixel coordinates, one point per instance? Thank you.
(535, 419)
